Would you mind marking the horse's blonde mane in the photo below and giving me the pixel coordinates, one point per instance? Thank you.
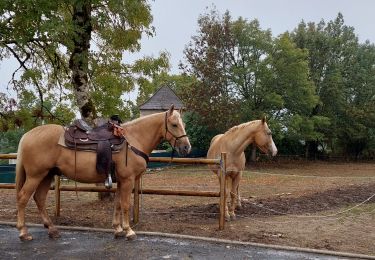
(241, 126)
(137, 120)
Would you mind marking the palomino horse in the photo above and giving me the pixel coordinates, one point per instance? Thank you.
(234, 142)
(40, 157)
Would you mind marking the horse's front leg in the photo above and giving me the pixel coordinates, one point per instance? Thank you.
(116, 222)
(227, 216)
(126, 191)
(234, 195)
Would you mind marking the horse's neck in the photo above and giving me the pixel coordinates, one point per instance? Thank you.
(241, 138)
(145, 133)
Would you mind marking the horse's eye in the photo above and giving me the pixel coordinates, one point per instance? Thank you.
(174, 125)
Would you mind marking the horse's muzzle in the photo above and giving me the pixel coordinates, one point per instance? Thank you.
(273, 149)
(183, 150)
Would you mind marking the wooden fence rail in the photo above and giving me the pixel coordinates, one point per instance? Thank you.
(137, 190)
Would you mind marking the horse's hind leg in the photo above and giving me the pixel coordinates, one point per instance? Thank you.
(23, 197)
(40, 197)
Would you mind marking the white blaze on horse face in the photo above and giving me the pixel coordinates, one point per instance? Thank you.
(273, 148)
(181, 141)
(185, 146)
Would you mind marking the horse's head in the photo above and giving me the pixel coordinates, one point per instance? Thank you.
(175, 132)
(263, 139)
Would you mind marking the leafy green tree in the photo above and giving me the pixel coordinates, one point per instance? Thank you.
(74, 50)
(342, 72)
(207, 60)
(291, 94)
(244, 73)
(9, 140)
(356, 133)
(199, 134)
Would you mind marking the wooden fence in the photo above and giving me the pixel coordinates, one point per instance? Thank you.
(137, 190)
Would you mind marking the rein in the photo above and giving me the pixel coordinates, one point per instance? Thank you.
(118, 131)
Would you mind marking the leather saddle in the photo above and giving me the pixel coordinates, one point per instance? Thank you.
(102, 140)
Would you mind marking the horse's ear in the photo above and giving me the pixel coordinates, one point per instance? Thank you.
(171, 109)
(264, 119)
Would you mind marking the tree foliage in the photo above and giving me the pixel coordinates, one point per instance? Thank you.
(74, 50)
(316, 84)
(244, 73)
(343, 73)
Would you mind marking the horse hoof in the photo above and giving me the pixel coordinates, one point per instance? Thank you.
(131, 236)
(26, 237)
(119, 234)
(54, 234)
(227, 218)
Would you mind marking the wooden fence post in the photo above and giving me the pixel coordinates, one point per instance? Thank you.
(136, 200)
(57, 195)
(223, 168)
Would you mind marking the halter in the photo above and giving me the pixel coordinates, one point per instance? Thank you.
(175, 137)
(167, 131)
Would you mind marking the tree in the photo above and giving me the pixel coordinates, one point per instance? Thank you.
(356, 133)
(244, 73)
(208, 62)
(291, 94)
(75, 48)
(342, 76)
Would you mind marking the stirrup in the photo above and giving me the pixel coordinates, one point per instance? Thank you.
(108, 182)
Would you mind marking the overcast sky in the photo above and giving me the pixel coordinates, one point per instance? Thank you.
(175, 22)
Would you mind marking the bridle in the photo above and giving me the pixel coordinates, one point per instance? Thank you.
(173, 135)
(168, 131)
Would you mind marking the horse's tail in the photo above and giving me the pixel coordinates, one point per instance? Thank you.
(20, 170)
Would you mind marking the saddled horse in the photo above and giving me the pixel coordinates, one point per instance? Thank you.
(40, 157)
(234, 142)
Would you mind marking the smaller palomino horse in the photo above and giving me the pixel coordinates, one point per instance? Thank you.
(40, 157)
(234, 142)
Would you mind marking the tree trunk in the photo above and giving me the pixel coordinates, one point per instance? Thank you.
(78, 62)
(253, 155)
(311, 150)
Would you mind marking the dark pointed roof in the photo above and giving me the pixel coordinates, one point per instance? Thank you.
(163, 98)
